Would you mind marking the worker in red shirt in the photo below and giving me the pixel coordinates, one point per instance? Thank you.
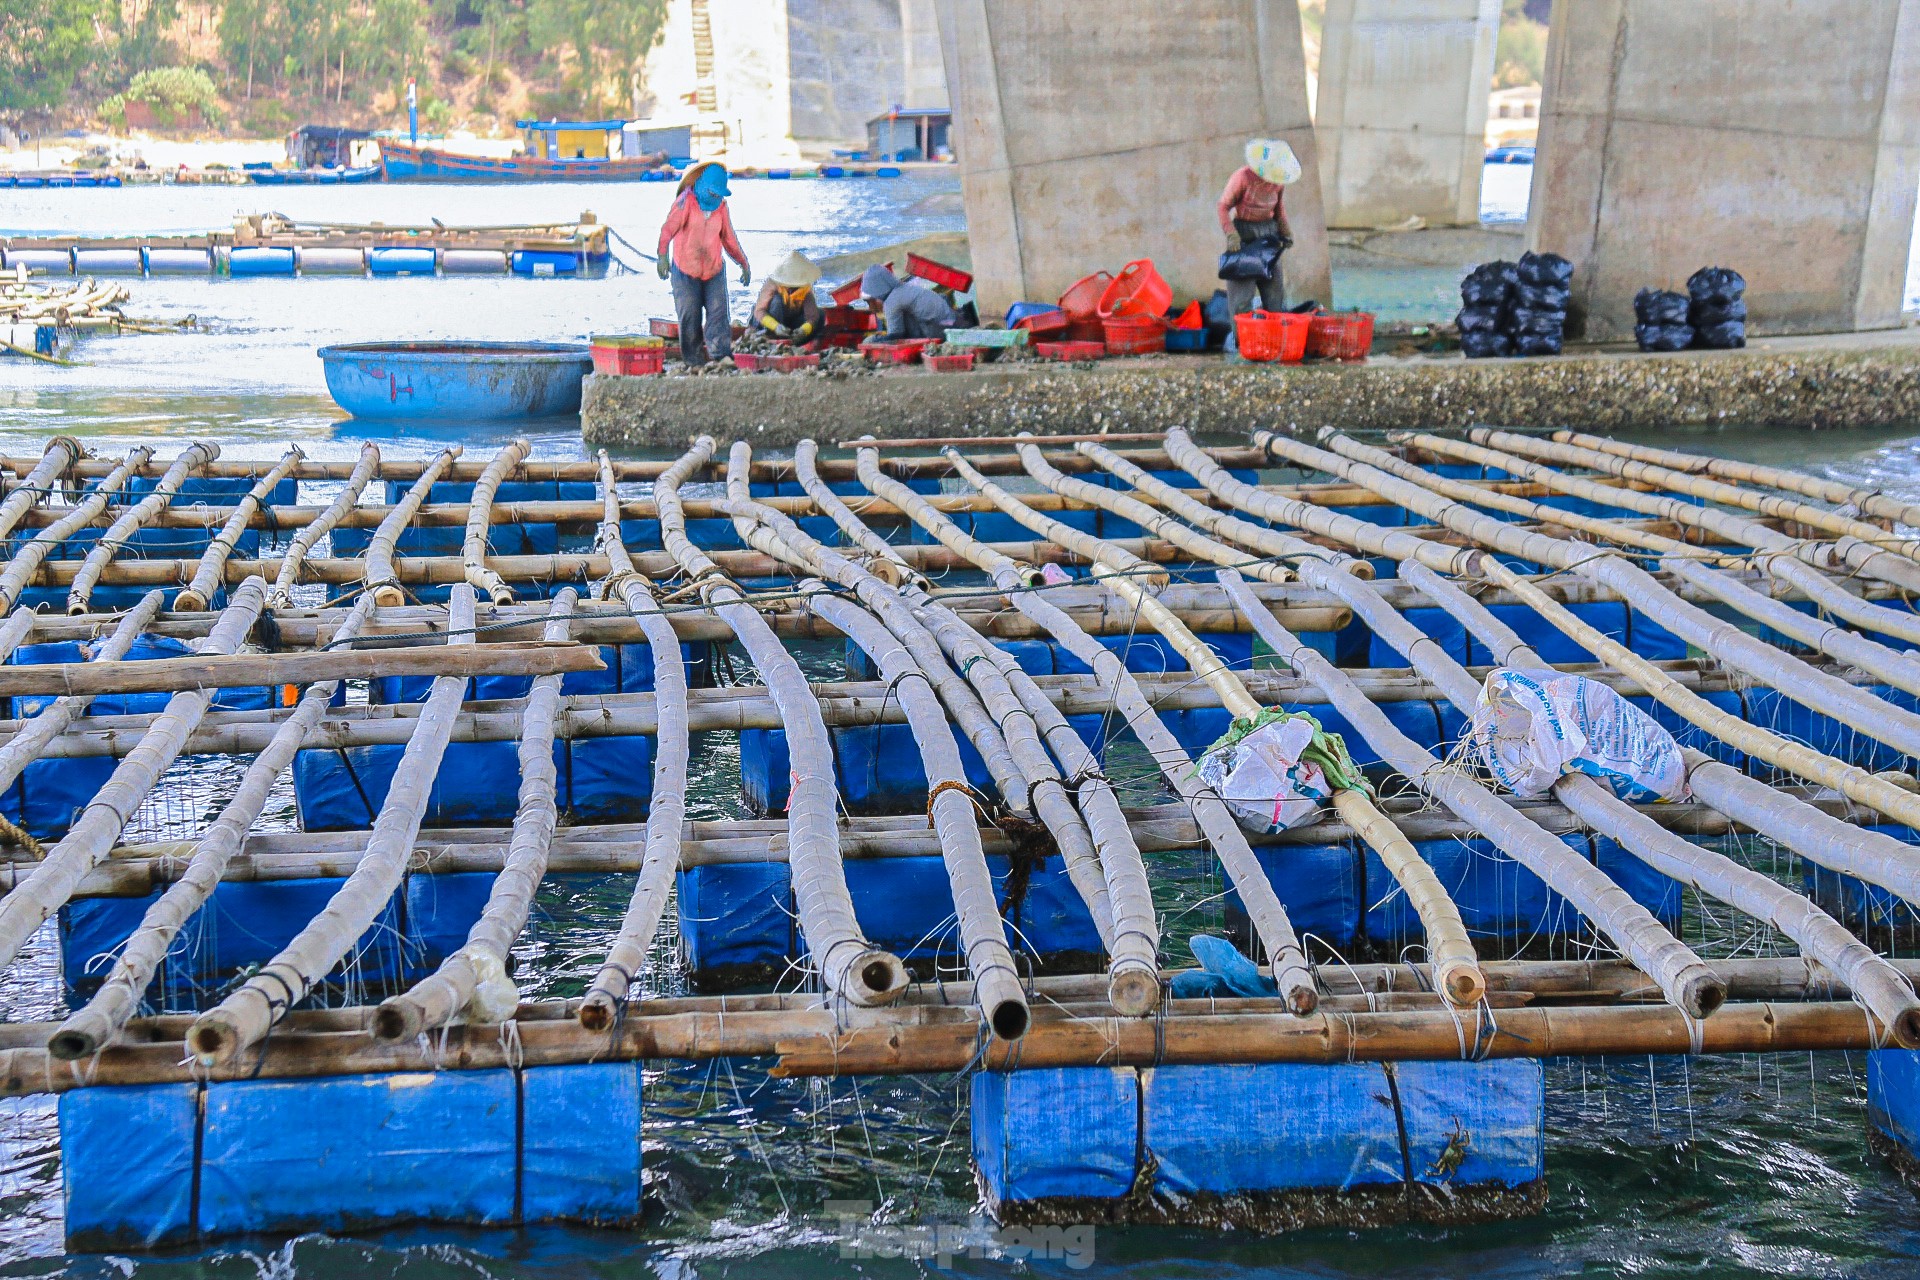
(695, 242)
(1253, 215)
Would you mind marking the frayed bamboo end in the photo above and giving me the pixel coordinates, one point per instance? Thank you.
(1464, 984)
(596, 1012)
(213, 1038)
(1701, 991)
(1133, 992)
(389, 597)
(189, 601)
(70, 1044)
(878, 977)
(1905, 1029)
(397, 1019)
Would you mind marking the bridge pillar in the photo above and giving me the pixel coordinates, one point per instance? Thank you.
(1402, 110)
(1777, 137)
(1091, 135)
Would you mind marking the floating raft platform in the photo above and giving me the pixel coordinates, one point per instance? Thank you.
(270, 245)
(975, 684)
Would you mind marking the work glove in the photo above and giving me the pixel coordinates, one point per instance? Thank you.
(1233, 242)
(772, 326)
(781, 331)
(1286, 243)
(746, 277)
(804, 332)
(661, 265)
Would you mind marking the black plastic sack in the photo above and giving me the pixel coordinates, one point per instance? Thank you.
(1478, 320)
(1663, 337)
(1542, 297)
(1661, 307)
(1480, 344)
(1722, 337)
(1487, 284)
(1702, 314)
(1716, 285)
(1525, 320)
(1218, 314)
(1537, 344)
(1252, 261)
(1544, 269)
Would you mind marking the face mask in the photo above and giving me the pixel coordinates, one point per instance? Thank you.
(710, 188)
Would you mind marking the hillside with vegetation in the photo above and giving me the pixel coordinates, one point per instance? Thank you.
(258, 67)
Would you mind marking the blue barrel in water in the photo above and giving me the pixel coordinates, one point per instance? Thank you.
(467, 380)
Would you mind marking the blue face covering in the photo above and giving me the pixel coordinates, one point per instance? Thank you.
(710, 188)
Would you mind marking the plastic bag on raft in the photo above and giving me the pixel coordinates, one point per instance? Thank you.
(1530, 728)
(1277, 770)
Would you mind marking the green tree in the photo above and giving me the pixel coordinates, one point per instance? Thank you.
(1521, 58)
(607, 38)
(44, 45)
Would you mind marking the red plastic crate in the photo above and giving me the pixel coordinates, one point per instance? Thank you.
(846, 293)
(1135, 335)
(1341, 336)
(661, 327)
(1046, 324)
(960, 363)
(905, 351)
(853, 319)
(1070, 350)
(939, 273)
(626, 356)
(750, 362)
(1084, 331)
(794, 363)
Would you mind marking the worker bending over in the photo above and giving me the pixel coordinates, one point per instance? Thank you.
(1254, 217)
(786, 308)
(911, 308)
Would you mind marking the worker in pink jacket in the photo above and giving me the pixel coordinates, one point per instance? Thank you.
(1253, 214)
(695, 242)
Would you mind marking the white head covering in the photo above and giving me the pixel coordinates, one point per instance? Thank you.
(795, 271)
(1273, 160)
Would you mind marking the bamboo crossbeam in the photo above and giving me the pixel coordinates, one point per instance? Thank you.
(191, 460)
(667, 803)
(245, 1016)
(473, 549)
(26, 561)
(323, 524)
(94, 831)
(848, 964)
(202, 871)
(377, 567)
(208, 575)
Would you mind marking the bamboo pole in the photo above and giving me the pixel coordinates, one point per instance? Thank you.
(248, 1014)
(96, 1025)
(881, 558)
(31, 492)
(473, 550)
(849, 965)
(1455, 963)
(905, 648)
(449, 992)
(303, 541)
(191, 459)
(667, 804)
(1885, 992)
(378, 565)
(1867, 548)
(1687, 982)
(93, 833)
(30, 741)
(1791, 561)
(1805, 684)
(1870, 502)
(27, 560)
(208, 575)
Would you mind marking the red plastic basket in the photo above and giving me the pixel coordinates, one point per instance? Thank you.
(1272, 335)
(1137, 291)
(958, 363)
(1046, 324)
(1340, 336)
(661, 327)
(939, 273)
(905, 351)
(793, 363)
(1082, 301)
(1135, 335)
(1070, 350)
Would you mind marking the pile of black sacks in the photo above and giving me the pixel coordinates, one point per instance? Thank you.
(1712, 313)
(1515, 308)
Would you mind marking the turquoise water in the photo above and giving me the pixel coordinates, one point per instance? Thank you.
(1736, 1166)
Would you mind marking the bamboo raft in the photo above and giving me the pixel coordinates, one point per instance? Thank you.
(486, 673)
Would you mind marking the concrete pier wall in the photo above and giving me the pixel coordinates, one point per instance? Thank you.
(1402, 111)
(1777, 137)
(1093, 135)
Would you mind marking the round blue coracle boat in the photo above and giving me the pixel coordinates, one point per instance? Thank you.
(468, 380)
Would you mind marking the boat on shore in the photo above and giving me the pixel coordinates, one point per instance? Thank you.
(466, 380)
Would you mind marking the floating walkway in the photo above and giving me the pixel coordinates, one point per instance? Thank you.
(966, 848)
(274, 245)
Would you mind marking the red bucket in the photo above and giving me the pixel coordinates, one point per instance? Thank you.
(1137, 291)
(1135, 335)
(1272, 335)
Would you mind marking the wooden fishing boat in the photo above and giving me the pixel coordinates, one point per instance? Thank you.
(554, 151)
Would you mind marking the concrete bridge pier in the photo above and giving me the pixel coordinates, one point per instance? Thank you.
(1777, 137)
(1402, 110)
(1090, 135)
